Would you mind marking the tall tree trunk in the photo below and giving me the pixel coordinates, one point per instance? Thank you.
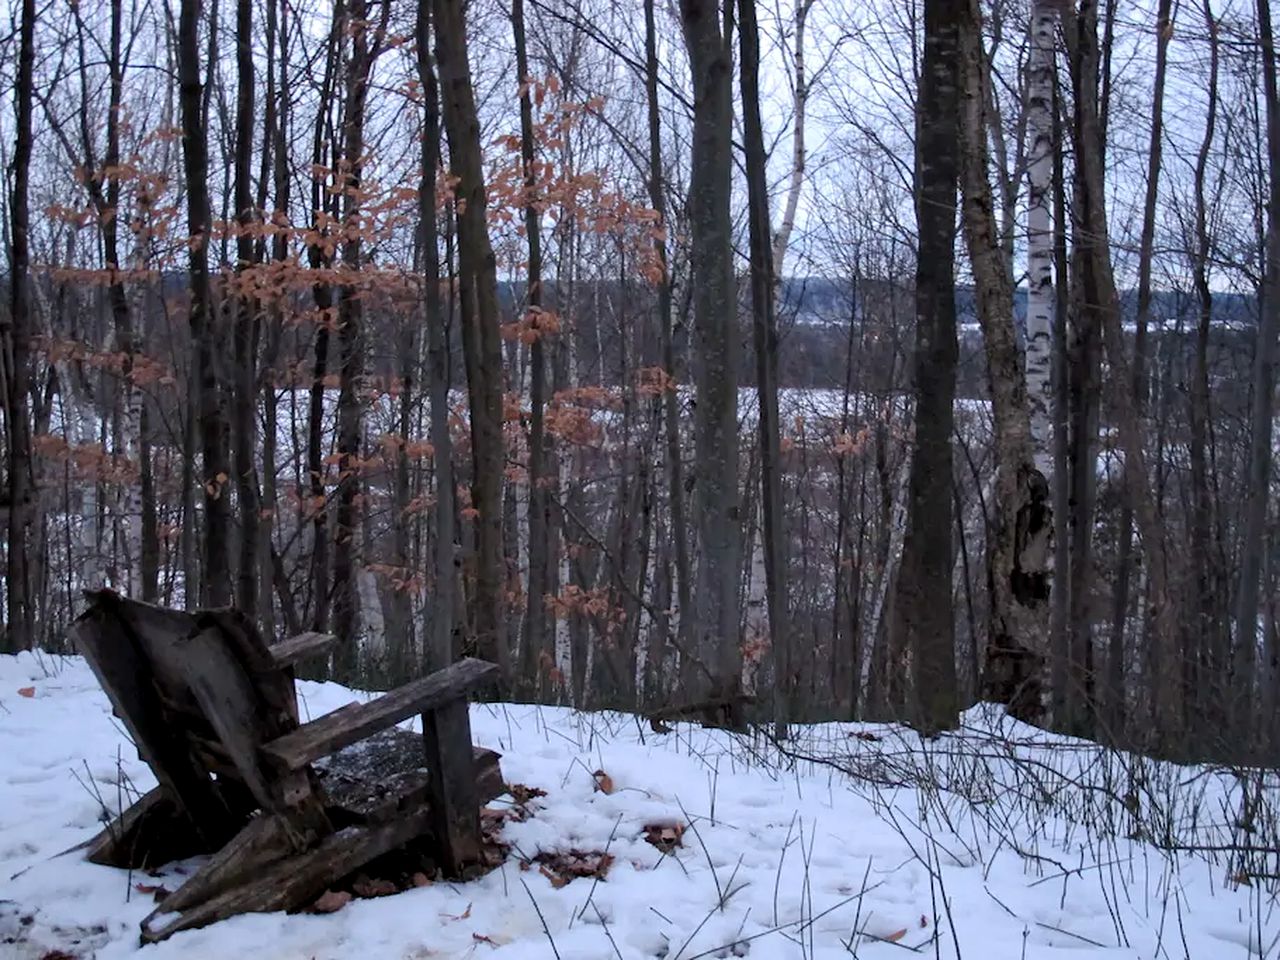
(317, 508)
(1040, 298)
(1099, 291)
(670, 400)
(439, 651)
(1115, 699)
(1255, 514)
(481, 341)
(366, 41)
(765, 338)
(1202, 645)
(277, 132)
(142, 575)
(923, 615)
(718, 524)
(15, 339)
(1018, 549)
(799, 153)
(539, 656)
(215, 587)
(244, 408)
(1061, 594)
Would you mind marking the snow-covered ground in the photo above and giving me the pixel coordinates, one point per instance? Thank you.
(779, 859)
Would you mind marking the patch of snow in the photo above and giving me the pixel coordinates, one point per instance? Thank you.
(780, 859)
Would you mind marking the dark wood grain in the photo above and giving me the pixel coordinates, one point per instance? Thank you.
(451, 791)
(293, 882)
(125, 675)
(357, 721)
(287, 653)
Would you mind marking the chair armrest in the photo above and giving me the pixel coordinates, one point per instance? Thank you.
(286, 653)
(356, 721)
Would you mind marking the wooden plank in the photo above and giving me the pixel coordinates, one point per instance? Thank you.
(227, 698)
(287, 653)
(455, 806)
(156, 631)
(295, 881)
(278, 703)
(354, 722)
(264, 840)
(489, 782)
(124, 674)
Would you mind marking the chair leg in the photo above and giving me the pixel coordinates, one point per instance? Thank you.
(455, 806)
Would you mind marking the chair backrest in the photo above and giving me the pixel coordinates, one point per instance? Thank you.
(199, 693)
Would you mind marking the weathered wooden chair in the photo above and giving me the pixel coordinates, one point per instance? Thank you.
(285, 808)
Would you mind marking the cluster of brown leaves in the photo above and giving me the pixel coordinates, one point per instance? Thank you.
(533, 324)
(565, 866)
(366, 888)
(665, 836)
(654, 381)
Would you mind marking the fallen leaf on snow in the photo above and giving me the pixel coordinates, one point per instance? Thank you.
(604, 782)
(562, 867)
(665, 836)
(896, 935)
(331, 901)
(26, 691)
(522, 794)
(376, 887)
(462, 916)
(557, 881)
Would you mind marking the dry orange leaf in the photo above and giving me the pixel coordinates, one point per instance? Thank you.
(896, 936)
(665, 836)
(26, 691)
(604, 783)
(331, 901)
(556, 879)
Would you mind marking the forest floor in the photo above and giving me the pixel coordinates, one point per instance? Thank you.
(997, 842)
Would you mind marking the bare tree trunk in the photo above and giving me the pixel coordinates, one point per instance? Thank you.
(1203, 645)
(366, 43)
(215, 540)
(1018, 552)
(1061, 595)
(15, 338)
(480, 338)
(539, 657)
(277, 133)
(718, 524)
(799, 156)
(670, 400)
(1040, 298)
(1100, 291)
(245, 392)
(1115, 710)
(317, 508)
(765, 336)
(439, 651)
(1255, 515)
(923, 615)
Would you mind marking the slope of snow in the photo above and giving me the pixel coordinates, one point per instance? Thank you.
(780, 860)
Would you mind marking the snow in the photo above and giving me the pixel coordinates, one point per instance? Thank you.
(780, 860)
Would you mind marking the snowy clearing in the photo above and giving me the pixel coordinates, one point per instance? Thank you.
(779, 859)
